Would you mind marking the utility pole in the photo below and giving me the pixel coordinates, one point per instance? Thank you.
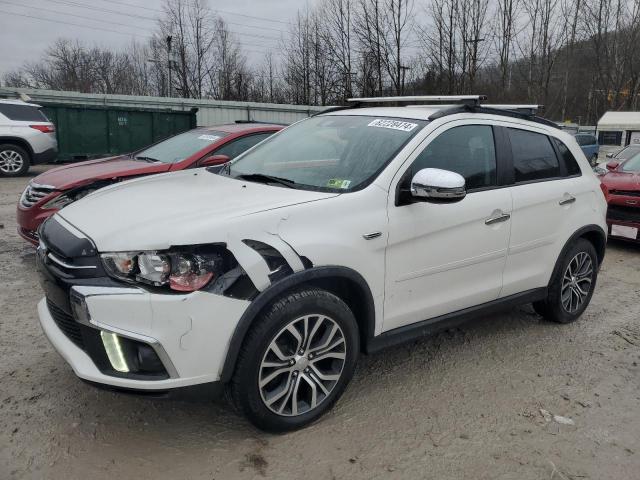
(404, 71)
(169, 39)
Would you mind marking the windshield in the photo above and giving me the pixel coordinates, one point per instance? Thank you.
(176, 149)
(631, 165)
(329, 153)
(628, 152)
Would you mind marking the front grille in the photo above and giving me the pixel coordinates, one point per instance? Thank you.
(34, 193)
(626, 193)
(66, 323)
(624, 214)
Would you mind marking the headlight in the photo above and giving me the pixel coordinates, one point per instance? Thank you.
(183, 270)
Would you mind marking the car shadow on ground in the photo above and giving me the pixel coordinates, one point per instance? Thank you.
(167, 416)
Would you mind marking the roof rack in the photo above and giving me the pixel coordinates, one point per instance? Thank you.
(492, 110)
(429, 99)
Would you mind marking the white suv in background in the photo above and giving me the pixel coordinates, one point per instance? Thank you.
(27, 137)
(350, 231)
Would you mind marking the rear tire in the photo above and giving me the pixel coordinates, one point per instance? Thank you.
(14, 160)
(572, 284)
(296, 361)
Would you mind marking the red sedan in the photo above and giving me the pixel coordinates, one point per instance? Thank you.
(621, 185)
(210, 146)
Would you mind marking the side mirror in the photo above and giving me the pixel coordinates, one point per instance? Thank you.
(612, 165)
(213, 160)
(436, 185)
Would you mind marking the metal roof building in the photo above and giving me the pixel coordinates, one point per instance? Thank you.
(618, 129)
(210, 112)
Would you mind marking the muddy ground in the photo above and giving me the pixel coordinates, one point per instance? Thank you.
(462, 404)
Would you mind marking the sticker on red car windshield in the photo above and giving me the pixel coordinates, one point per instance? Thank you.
(393, 124)
(210, 138)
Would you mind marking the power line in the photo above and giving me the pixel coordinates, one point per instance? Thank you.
(134, 15)
(264, 19)
(116, 31)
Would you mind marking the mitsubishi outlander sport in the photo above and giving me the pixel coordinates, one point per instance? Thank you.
(350, 231)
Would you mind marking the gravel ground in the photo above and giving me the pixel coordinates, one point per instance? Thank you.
(463, 404)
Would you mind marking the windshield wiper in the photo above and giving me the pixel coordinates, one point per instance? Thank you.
(147, 159)
(261, 177)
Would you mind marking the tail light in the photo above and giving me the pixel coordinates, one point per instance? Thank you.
(44, 128)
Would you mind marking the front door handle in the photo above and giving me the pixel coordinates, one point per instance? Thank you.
(497, 217)
(567, 199)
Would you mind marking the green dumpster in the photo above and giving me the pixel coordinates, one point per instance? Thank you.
(86, 132)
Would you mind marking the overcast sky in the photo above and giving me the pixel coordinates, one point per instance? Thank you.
(27, 27)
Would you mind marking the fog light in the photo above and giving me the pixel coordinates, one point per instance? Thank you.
(113, 347)
(148, 360)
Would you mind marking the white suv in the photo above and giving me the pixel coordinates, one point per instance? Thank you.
(345, 233)
(27, 137)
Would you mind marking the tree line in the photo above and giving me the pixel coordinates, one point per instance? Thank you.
(579, 58)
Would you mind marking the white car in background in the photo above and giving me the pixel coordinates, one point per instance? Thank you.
(350, 231)
(27, 137)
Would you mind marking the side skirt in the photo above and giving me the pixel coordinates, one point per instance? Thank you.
(407, 333)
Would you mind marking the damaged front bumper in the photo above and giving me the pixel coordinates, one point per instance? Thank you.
(132, 339)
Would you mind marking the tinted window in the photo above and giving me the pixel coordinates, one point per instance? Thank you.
(585, 140)
(568, 158)
(467, 150)
(533, 156)
(241, 145)
(179, 147)
(22, 113)
(610, 138)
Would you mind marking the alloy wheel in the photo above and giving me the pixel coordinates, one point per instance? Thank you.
(302, 365)
(10, 161)
(576, 282)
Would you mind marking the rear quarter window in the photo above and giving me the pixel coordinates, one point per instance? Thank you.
(22, 113)
(569, 160)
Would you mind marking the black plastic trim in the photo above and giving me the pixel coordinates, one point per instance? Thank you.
(202, 391)
(48, 156)
(492, 111)
(407, 333)
(287, 284)
(63, 242)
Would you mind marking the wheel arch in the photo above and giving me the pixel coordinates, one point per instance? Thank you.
(343, 282)
(592, 233)
(20, 142)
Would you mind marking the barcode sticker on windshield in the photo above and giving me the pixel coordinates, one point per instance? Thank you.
(393, 124)
(211, 138)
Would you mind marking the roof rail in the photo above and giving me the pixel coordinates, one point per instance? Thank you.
(433, 99)
(491, 110)
(529, 109)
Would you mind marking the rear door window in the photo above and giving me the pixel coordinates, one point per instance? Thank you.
(533, 156)
(22, 113)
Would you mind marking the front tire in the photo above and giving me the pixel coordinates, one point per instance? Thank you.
(572, 284)
(14, 160)
(296, 361)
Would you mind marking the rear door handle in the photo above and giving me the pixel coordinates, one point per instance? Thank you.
(567, 199)
(497, 217)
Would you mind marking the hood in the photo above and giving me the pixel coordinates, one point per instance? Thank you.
(181, 208)
(74, 174)
(621, 181)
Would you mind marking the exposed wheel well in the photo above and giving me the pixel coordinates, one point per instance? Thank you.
(351, 294)
(346, 284)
